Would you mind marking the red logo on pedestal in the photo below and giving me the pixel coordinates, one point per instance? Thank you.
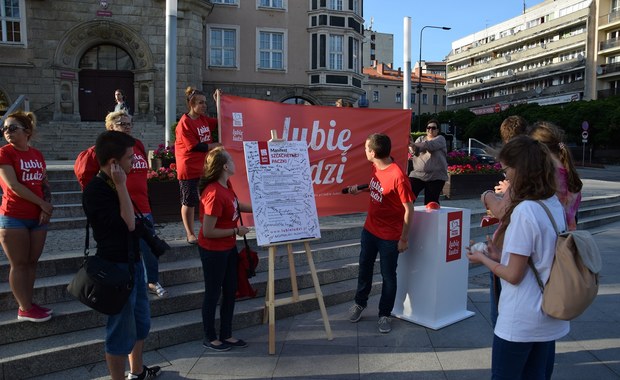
(454, 239)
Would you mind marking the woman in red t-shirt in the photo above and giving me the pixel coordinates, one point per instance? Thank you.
(25, 211)
(193, 140)
(217, 245)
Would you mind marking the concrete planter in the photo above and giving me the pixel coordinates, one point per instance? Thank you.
(461, 186)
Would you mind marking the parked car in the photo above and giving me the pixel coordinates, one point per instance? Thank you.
(480, 154)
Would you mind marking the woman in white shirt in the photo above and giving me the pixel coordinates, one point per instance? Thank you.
(524, 342)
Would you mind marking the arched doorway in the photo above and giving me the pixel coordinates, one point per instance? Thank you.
(103, 69)
(297, 100)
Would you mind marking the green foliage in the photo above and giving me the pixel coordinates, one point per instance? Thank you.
(603, 116)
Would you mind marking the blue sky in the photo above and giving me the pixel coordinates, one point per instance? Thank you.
(464, 17)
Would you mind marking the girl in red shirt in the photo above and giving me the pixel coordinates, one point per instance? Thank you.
(217, 245)
(193, 140)
(25, 212)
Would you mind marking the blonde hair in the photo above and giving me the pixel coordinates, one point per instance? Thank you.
(213, 166)
(112, 117)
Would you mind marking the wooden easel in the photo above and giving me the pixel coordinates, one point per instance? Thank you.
(270, 300)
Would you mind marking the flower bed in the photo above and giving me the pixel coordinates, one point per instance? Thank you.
(164, 194)
(467, 178)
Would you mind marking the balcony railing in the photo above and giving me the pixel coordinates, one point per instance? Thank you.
(602, 94)
(610, 43)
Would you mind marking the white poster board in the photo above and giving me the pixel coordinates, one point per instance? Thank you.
(281, 191)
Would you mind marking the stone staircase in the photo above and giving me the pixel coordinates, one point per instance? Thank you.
(75, 335)
(64, 140)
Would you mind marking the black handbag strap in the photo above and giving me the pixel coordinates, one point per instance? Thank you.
(132, 244)
(245, 240)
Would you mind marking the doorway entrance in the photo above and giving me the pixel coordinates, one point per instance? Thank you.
(103, 69)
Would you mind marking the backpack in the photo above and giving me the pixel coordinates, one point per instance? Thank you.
(86, 166)
(573, 282)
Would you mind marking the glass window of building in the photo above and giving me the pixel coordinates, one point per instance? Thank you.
(271, 50)
(223, 47)
(11, 22)
(335, 52)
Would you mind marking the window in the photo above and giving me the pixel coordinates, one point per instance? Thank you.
(335, 5)
(224, 1)
(12, 26)
(435, 99)
(375, 96)
(223, 47)
(356, 54)
(615, 5)
(106, 57)
(335, 52)
(424, 98)
(271, 54)
(399, 98)
(412, 96)
(271, 4)
(356, 7)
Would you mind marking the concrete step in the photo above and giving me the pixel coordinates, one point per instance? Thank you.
(47, 354)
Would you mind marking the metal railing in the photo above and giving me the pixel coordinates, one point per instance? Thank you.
(22, 99)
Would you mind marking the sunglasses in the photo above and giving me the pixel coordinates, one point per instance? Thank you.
(123, 124)
(12, 128)
(431, 128)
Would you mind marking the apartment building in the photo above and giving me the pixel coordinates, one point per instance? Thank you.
(377, 47)
(543, 56)
(69, 56)
(606, 71)
(384, 88)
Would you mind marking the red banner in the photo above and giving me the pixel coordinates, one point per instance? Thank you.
(335, 138)
(455, 236)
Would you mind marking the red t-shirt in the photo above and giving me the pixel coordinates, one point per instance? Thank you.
(221, 202)
(389, 189)
(136, 179)
(188, 134)
(30, 171)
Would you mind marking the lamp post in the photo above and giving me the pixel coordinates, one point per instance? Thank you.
(419, 89)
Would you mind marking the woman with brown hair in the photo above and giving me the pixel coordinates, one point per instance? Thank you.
(194, 139)
(568, 183)
(524, 341)
(25, 211)
(217, 244)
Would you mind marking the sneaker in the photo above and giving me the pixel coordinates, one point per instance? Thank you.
(158, 290)
(384, 325)
(216, 347)
(43, 309)
(33, 315)
(147, 373)
(355, 313)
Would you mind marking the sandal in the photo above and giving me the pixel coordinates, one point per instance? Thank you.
(158, 290)
(193, 241)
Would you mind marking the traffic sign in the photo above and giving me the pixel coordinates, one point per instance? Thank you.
(584, 135)
(585, 125)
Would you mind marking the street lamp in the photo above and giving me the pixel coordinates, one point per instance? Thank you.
(419, 90)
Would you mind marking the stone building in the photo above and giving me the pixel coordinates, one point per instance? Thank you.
(67, 57)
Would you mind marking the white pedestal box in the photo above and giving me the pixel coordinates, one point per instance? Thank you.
(432, 275)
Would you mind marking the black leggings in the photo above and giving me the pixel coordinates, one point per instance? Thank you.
(432, 189)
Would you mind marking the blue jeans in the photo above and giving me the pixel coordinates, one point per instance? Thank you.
(522, 361)
(151, 263)
(133, 322)
(388, 255)
(220, 274)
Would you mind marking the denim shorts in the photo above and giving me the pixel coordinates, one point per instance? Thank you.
(189, 192)
(133, 322)
(9, 222)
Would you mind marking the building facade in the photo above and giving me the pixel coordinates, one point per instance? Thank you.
(606, 72)
(377, 47)
(68, 56)
(384, 89)
(543, 56)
